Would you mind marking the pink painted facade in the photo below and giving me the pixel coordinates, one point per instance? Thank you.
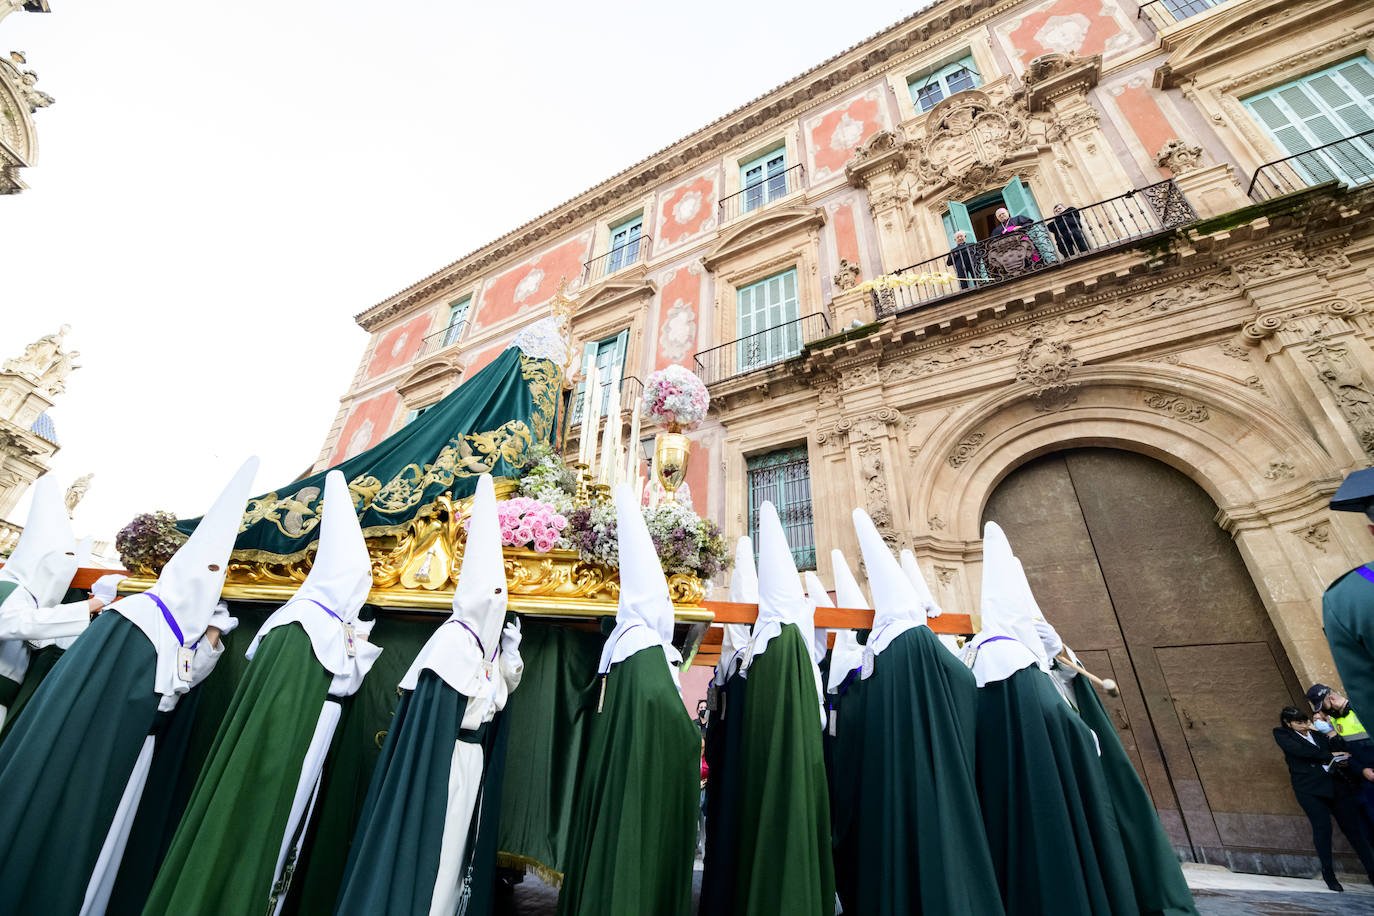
(843, 222)
(833, 135)
(679, 316)
(368, 424)
(398, 346)
(1082, 27)
(1140, 110)
(532, 283)
(687, 210)
(484, 359)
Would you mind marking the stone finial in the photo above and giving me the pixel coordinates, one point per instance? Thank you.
(1179, 156)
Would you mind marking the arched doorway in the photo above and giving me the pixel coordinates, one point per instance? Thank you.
(1128, 562)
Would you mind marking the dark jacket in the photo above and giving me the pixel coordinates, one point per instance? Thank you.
(1305, 761)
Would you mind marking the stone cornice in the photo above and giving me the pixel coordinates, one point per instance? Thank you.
(840, 74)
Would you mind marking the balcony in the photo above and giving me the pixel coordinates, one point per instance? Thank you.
(760, 350)
(442, 339)
(631, 388)
(762, 193)
(1349, 160)
(618, 258)
(1165, 13)
(1076, 233)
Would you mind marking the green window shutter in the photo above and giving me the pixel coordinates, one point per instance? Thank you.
(1331, 106)
(763, 179)
(624, 244)
(1019, 199)
(958, 220)
(766, 321)
(457, 319)
(579, 396)
(928, 89)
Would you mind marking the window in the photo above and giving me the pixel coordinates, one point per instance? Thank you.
(415, 414)
(609, 356)
(763, 179)
(927, 89)
(457, 320)
(624, 244)
(1323, 108)
(784, 479)
(767, 329)
(978, 217)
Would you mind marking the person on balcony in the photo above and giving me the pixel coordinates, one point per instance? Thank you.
(1006, 223)
(962, 258)
(1067, 228)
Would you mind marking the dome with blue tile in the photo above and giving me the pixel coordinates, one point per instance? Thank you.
(45, 427)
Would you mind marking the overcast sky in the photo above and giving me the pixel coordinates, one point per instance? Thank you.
(221, 187)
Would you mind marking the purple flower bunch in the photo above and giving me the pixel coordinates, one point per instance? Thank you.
(674, 395)
(149, 541)
(529, 522)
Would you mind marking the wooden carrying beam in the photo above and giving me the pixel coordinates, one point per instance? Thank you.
(836, 618)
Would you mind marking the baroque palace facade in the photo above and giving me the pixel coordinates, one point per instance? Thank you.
(1155, 389)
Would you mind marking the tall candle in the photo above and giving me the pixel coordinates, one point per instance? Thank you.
(589, 374)
(593, 418)
(632, 466)
(608, 438)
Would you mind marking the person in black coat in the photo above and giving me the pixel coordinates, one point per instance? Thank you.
(1320, 792)
(1067, 228)
(961, 258)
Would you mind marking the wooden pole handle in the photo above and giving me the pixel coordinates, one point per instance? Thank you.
(1106, 684)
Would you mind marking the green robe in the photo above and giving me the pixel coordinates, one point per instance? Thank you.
(920, 840)
(1047, 806)
(1161, 889)
(65, 765)
(633, 837)
(785, 862)
(394, 858)
(844, 750)
(1348, 617)
(724, 734)
(41, 662)
(224, 854)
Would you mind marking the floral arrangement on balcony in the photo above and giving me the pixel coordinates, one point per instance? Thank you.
(675, 397)
(894, 281)
(528, 522)
(148, 542)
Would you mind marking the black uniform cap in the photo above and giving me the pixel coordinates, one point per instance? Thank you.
(1356, 493)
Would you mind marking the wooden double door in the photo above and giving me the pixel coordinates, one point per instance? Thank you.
(1127, 561)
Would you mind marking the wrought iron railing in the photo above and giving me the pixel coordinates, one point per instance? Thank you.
(1349, 160)
(762, 193)
(631, 388)
(1072, 234)
(1164, 13)
(442, 339)
(760, 350)
(617, 258)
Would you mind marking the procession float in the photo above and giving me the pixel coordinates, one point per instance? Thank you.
(554, 439)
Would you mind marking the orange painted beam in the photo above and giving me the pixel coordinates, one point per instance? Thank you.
(837, 618)
(86, 576)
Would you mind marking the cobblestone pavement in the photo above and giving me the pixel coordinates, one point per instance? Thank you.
(1217, 892)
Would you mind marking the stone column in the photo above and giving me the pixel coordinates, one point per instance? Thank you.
(877, 168)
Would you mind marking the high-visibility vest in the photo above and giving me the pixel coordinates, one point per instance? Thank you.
(1349, 725)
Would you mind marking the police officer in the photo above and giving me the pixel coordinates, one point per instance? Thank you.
(1348, 605)
(1336, 717)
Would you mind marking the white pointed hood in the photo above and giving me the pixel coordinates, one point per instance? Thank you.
(744, 589)
(918, 582)
(781, 599)
(644, 617)
(819, 597)
(46, 547)
(327, 604)
(190, 583)
(1007, 641)
(847, 653)
(56, 570)
(896, 605)
(464, 649)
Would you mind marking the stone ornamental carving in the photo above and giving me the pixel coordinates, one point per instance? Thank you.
(1046, 364)
(45, 363)
(965, 449)
(875, 488)
(1236, 351)
(936, 523)
(1268, 325)
(1270, 264)
(76, 492)
(1317, 534)
(847, 277)
(1254, 383)
(945, 575)
(1280, 469)
(1179, 156)
(1177, 406)
(1348, 386)
(968, 137)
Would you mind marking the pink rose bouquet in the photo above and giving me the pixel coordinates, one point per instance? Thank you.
(676, 397)
(529, 522)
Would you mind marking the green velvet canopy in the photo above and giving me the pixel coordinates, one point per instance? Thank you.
(487, 425)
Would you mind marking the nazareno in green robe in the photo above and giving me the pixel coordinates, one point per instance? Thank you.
(41, 662)
(1160, 888)
(224, 854)
(918, 834)
(394, 858)
(723, 737)
(784, 856)
(633, 836)
(1047, 805)
(844, 750)
(64, 767)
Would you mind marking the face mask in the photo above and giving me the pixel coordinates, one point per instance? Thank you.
(1323, 726)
